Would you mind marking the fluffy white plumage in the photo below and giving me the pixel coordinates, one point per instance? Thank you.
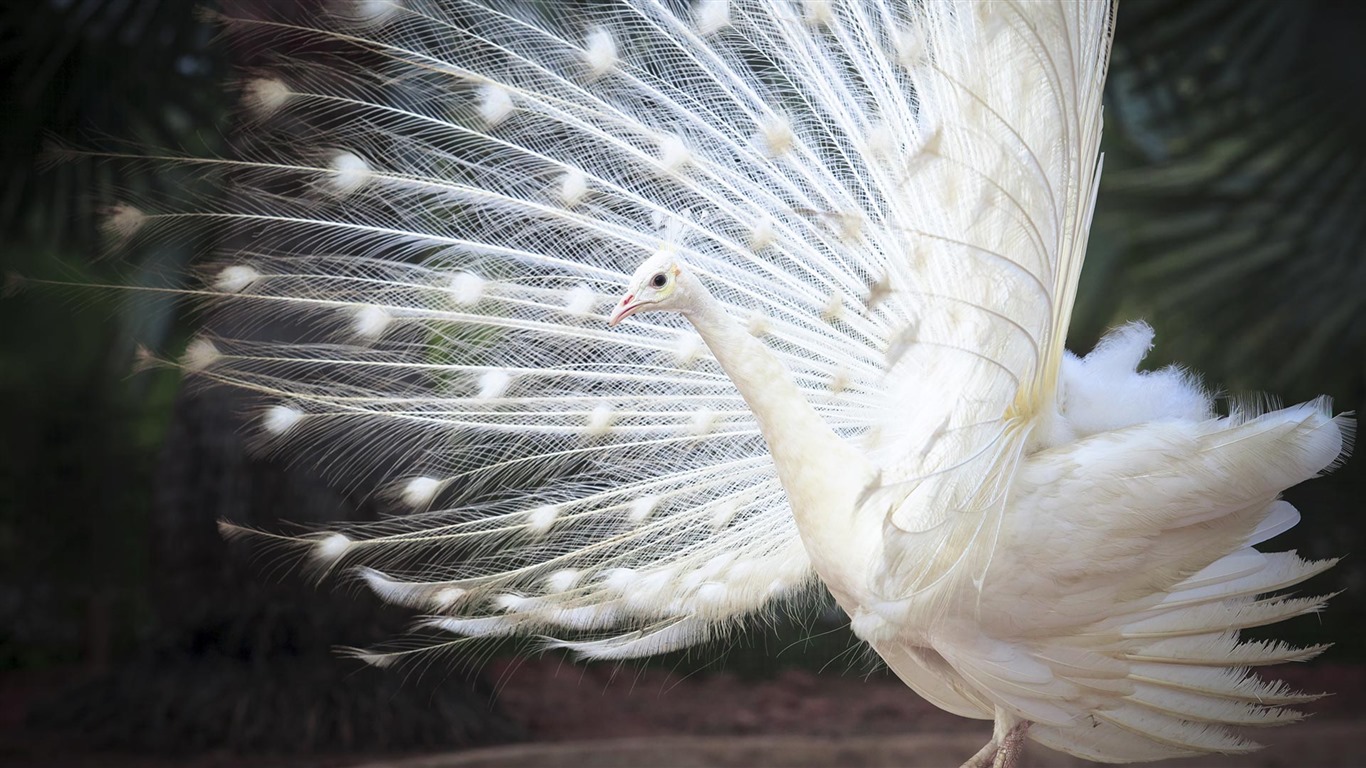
(876, 215)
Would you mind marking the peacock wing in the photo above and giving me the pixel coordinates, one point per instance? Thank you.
(993, 212)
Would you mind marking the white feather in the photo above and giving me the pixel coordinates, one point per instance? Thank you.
(419, 491)
(236, 278)
(600, 52)
(350, 173)
(199, 355)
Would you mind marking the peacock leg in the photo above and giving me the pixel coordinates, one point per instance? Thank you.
(984, 757)
(1012, 746)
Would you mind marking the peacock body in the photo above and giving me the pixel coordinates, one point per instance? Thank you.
(850, 236)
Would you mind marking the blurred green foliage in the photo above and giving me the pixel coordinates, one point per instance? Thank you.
(1230, 206)
(82, 431)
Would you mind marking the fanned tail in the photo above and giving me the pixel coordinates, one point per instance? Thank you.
(437, 204)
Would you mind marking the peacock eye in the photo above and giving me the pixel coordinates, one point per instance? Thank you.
(659, 280)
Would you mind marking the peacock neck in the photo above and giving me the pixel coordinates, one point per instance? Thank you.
(822, 475)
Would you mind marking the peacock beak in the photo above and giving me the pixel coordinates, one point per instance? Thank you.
(623, 310)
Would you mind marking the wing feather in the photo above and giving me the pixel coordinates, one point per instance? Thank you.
(998, 208)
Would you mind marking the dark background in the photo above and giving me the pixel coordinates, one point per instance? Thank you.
(1232, 217)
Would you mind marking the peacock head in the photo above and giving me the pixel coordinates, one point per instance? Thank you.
(656, 286)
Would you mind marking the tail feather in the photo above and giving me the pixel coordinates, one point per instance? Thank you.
(1210, 709)
(1221, 649)
(1215, 616)
(1219, 681)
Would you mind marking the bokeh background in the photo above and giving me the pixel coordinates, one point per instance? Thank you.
(1232, 216)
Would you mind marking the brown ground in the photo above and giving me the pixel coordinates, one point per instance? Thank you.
(608, 716)
(561, 702)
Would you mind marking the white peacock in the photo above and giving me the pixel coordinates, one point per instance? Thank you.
(871, 218)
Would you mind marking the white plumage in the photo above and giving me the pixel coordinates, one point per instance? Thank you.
(871, 218)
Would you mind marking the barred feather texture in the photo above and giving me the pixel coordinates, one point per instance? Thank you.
(878, 212)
